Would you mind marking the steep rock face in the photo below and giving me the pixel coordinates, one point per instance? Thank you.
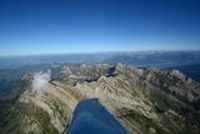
(42, 108)
(178, 74)
(144, 100)
(55, 101)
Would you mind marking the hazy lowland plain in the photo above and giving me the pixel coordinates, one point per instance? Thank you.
(147, 92)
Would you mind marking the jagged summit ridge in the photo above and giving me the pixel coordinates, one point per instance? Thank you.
(144, 100)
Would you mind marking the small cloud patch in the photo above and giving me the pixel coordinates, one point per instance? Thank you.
(40, 81)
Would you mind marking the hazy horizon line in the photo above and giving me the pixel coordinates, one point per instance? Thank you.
(97, 52)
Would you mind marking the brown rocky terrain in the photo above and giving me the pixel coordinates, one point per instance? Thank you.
(144, 100)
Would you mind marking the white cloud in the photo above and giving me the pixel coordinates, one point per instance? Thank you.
(40, 81)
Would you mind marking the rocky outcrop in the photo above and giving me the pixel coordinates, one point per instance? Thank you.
(144, 100)
(178, 74)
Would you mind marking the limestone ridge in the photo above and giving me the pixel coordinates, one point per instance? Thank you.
(143, 100)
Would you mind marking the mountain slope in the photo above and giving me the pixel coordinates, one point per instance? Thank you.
(144, 100)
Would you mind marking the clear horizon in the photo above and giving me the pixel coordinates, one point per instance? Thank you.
(43, 27)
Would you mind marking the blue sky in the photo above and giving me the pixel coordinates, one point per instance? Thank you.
(68, 26)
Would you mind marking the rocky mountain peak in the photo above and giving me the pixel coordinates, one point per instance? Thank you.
(143, 100)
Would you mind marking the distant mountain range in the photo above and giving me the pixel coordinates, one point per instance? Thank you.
(186, 61)
(147, 92)
(161, 59)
